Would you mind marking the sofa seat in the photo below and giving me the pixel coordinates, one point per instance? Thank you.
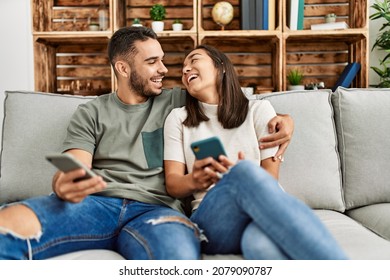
(359, 242)
(375, 217)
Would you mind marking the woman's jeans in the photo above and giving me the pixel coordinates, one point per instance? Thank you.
(247, 212)
(135, 230)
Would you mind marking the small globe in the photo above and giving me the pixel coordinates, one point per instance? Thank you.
(222, 13)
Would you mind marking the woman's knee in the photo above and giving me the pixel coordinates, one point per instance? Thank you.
(247, 174)
(256, 245)
(247, 168)
(20, 220)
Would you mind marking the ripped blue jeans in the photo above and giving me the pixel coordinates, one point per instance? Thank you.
(247, 212)
(133, 229)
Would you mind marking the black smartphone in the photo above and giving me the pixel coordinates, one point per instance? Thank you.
(66, 162)
(210, 147)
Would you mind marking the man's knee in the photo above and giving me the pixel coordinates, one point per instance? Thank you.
(21, 221)
(181, 237)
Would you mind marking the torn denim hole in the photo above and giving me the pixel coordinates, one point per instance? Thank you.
(15, 235)
(184, 221)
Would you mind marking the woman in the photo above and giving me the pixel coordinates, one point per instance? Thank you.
(244, 210)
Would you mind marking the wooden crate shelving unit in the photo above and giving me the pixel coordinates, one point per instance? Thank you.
(71, 59)
(323, 55)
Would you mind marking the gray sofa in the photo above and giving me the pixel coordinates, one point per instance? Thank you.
(337, 163)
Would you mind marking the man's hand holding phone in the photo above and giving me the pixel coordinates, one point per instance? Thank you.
(74, 181)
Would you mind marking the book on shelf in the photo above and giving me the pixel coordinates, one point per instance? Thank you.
(347, 76)
(295, 14)
(271, 14)
(330, 26)
(264, 13)
(301, 14)
(259, 13)
(255, 14)
(248, 14)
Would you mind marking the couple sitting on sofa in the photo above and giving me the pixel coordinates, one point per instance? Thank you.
(127, 207)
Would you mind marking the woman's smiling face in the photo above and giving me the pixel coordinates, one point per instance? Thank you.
(200, 75)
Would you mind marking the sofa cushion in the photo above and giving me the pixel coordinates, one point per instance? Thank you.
(362, 118)
(375, 217)
(311, 170)
(34, 125)
(358, 242)
(98, 254)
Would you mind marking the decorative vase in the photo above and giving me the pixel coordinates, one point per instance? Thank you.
(296, 87)
(103, 16)
(93, 27)
(330, 18)
(158, 26)
(177, 26)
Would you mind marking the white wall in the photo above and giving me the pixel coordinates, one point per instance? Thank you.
(16, 48)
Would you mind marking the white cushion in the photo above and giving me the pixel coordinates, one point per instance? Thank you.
(311, 170)
(34, 125)
(363, 126)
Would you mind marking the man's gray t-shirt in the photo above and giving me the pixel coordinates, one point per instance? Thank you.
(126, 142)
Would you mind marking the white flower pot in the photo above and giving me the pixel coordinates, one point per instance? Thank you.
(158, 26)
(177, 26)
(296, 87)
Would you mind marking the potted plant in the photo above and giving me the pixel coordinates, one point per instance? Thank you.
(295, 77)
(136, 22)
(330, 18)
(382, 41)
(177, 25)
(157, 14)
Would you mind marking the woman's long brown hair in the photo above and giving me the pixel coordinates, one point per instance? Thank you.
(233, 104)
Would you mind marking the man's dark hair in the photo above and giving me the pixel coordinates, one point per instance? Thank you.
(233, 105)
(121, 44)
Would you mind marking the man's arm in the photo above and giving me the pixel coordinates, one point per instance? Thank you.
(281, 128)
(66, 188)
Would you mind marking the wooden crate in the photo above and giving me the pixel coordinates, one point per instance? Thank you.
(176, 9)
(80, 67)
(323, 59)
(207, 23)
(66, 15)
(256, 60)
(83, 70)
(353, 12)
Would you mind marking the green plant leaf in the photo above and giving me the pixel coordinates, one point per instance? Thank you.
(295, 77)
(157, 12)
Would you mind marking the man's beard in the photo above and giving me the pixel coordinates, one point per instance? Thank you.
(139, 85)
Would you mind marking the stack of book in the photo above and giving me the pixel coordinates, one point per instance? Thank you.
(330, 26)
(295, 14)
(258, 14)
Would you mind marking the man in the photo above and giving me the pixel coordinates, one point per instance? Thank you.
(125, 208)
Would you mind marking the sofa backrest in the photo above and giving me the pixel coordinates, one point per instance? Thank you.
(311, 169)
(34, 125)
(363, 126)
